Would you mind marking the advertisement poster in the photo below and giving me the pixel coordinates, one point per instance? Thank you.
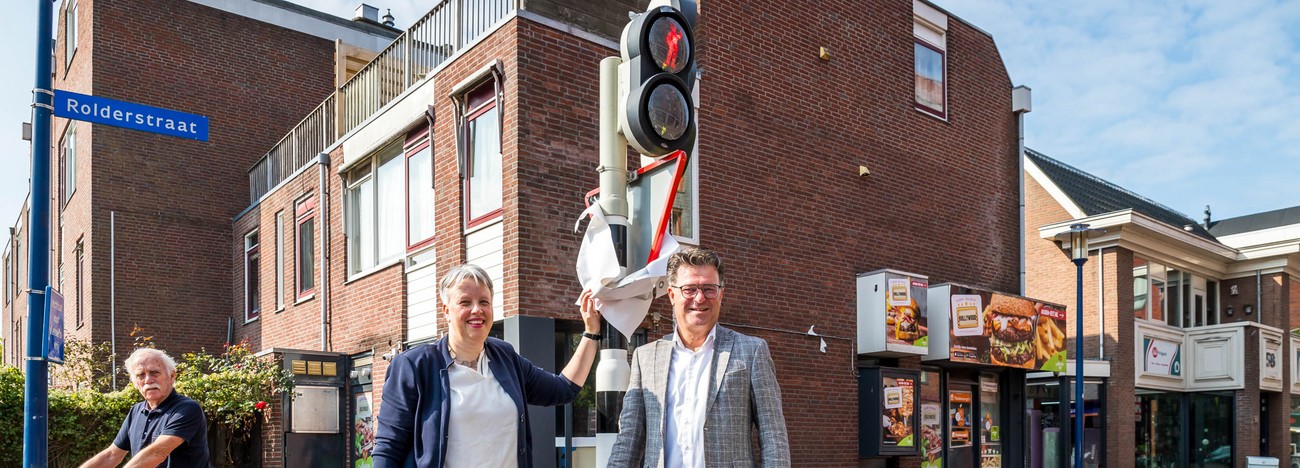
(959, 414)
(990, 424)
(1050, 338)
(1004, 330)
(905, 309)
(364, 423)
(931, 421)
(899, 417)
(1162, 357)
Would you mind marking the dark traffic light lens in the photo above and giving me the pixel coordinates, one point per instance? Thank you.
(669, 46)
(668, 111)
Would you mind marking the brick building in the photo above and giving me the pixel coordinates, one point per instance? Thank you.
(1189, 352)
(161, 206)
(478, 146)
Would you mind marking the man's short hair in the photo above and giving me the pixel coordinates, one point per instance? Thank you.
(461, 273)
(694, 256)
(142, 354)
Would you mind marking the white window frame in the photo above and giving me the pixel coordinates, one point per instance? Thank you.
(69, 161)
(300, 217)
(355, 232)
(70, 33)
(252, 276)
(422, 145)
(279, 260)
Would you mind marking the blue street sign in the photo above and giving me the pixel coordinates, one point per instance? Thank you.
(94, 109)
(53, 325)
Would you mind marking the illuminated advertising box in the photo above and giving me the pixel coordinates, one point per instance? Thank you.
(998, 329)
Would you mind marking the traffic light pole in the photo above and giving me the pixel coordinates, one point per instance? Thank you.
(36, 402)
(612, 371)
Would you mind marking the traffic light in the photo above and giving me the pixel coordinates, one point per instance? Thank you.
(656, 109)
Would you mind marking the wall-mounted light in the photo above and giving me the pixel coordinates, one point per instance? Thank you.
(1248, 309)
(1228, 310)
(1232, 290)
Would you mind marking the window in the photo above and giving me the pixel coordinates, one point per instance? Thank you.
(69, 161)
(929, 79)
(80, 294)
(279, 260)
(70, 33)
(929, 30)
(419, 195)
(483, 137)
(8, 279)
(373, 209)
(305, 245)
(252, 289)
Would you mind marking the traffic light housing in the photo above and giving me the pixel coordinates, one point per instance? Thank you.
(656, 107)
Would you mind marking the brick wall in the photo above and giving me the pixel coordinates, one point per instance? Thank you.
(174, 197)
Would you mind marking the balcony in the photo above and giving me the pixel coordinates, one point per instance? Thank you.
(430, 41)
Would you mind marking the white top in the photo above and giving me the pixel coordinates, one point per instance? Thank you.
(688, 396)
(482, 427)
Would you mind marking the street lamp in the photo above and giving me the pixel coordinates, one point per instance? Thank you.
(1079, 255)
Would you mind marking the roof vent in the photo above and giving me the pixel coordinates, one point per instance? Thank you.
(1207, 216)
(388, 18)
(1189, 227)
(367, 13)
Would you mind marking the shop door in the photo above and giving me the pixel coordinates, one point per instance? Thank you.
(990, 422)
(962, 435)
(1211, 427)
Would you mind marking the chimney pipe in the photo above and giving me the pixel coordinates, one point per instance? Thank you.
(367, 13)
(1207, 216)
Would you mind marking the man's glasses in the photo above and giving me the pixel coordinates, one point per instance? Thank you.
(710, 290)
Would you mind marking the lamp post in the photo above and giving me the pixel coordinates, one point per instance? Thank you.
(1079, 255)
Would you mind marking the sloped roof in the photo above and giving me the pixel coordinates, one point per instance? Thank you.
(1095, 196)
(1256, 222)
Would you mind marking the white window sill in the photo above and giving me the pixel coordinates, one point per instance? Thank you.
(375, 269)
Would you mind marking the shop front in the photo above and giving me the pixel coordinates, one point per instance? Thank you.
(963, 405)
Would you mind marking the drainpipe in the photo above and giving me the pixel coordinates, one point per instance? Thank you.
(1021, 104)
(112, 290)
(323, 234)
(1259, 296)
(1101, 305)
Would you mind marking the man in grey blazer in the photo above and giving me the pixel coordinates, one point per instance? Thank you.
(697, 396)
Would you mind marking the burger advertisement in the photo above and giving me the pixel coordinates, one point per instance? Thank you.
(1005, 330)
(892, 317)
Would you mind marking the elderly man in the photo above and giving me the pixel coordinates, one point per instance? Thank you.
(698, 396)
(166, 428)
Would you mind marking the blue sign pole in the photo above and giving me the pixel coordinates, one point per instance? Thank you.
(100, 110)
(36, 388)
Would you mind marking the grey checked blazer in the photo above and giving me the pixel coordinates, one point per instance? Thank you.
(745, 397)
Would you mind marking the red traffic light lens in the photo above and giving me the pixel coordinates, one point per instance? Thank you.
(669, 112)
(669, 45)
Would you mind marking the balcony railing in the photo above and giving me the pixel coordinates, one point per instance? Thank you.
(434, 38)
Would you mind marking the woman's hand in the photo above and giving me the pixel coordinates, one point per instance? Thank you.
(590, 314)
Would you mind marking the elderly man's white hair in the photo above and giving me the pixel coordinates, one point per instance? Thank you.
(144, 353)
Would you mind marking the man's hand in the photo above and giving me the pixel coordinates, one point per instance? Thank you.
(108, 458)
(154, 454)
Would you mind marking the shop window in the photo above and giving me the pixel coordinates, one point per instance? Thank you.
(305, 245)
(70, 33)
(279, 260)
(419, 195)
(373, 203)
(252, 277)
(482, 134)
(929, 30)
(1148, 290)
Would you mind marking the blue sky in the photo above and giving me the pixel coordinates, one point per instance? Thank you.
(1187, 103)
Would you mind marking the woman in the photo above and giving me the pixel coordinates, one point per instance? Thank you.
(463, 400)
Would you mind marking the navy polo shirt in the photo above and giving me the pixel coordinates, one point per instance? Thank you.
(175, 416)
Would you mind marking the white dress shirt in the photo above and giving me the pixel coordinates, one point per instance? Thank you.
(688, 396)
(483, 428)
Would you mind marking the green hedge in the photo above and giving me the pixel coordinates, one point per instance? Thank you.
(81, 423)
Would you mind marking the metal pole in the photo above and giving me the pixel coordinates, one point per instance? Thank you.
(112, 293)
(612, 371)
(36, 402)
(1078, 364)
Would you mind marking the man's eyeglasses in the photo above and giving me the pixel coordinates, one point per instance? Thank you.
(710, 290)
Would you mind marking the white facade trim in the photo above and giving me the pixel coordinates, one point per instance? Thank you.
(296, 21)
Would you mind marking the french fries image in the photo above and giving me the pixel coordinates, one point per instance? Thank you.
(1049, 340)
